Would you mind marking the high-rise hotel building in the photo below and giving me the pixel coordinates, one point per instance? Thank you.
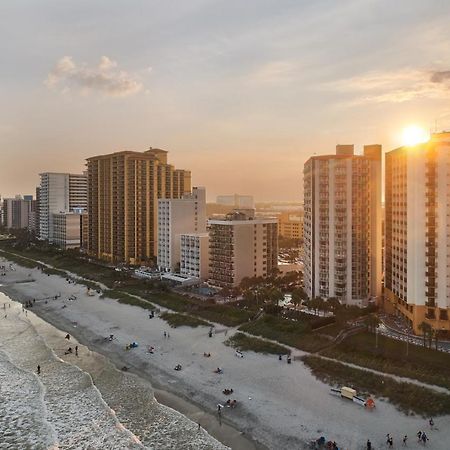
(58, 193)
(417, 233)
(123, 193)
(342, 225)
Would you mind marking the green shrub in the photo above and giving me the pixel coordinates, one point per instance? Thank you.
(242, 342)
(407, 397)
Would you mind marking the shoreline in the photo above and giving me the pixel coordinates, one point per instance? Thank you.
(280, 406)
(224, 432)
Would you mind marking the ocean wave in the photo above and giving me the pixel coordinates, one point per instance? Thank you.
(64, 408)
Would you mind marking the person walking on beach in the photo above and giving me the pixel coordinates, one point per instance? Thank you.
(199, 426)
(405, 438)
(389, 441)
(76, 350)
(424, 438)
(431, 422)
(38, 369)
(369, 444)
(419, 436)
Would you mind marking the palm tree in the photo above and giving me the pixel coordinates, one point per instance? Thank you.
(320, 305)
(427, 331)
(334, 304)
(372, 321)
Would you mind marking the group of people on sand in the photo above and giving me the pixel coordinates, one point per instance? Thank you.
(422, 438)
(323, 443)
(69, 351)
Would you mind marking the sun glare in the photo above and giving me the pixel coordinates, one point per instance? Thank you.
(414, 135)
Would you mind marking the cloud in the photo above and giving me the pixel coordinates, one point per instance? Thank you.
(104, 78)
(441, 77)
(395, 87)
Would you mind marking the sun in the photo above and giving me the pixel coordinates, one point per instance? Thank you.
(413, 135)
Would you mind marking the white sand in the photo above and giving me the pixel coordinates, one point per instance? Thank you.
(280, 405)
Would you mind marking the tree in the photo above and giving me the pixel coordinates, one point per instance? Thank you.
(372, 321)
(427, 331)
(298, 295)
(275, 296)
(334, 304)
(317, 304)
(436, 334)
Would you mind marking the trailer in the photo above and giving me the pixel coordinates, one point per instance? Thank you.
(350, 394)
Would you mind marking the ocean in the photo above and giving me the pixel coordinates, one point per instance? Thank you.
(81, 403)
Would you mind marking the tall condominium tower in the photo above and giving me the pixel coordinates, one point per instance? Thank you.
(417, 233)
(59, 192)
(241, 245)
(175, 217)
(342, 225)
(123, 192)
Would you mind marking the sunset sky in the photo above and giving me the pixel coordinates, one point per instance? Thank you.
(241, 92)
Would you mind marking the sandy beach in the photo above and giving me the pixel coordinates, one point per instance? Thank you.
(280, 406)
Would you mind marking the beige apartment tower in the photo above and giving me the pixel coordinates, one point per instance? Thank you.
(417, 233)
(342, 225)
(123, 193)
(240, 246)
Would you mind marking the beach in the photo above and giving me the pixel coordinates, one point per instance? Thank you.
(279, 405)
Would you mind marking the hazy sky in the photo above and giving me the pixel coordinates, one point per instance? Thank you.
(241, 92)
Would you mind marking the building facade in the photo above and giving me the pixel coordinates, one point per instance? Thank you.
(123, 192)
(236, 201)
(66, 229)
(17, 212)
(59, 192)
(417, 233)
(342, 225)
(175, 217)
(240, 246)
(290, 225)
(194, 255)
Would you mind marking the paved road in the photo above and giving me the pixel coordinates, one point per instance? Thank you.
(388, 331)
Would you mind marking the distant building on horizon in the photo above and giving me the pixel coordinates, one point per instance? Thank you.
(236, 201)
(342, 225)
(59, 193)
(123, 192)
(417, 233)
(17, 212)
(176, 217)
(290, 225)
(241, 245)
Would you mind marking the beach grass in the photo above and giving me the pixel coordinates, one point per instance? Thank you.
(18, 259)
(285, 331)
(426, 365)
(127, 299)
(407, 397)
(120, 285)
(242, 342)
(176, 320)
